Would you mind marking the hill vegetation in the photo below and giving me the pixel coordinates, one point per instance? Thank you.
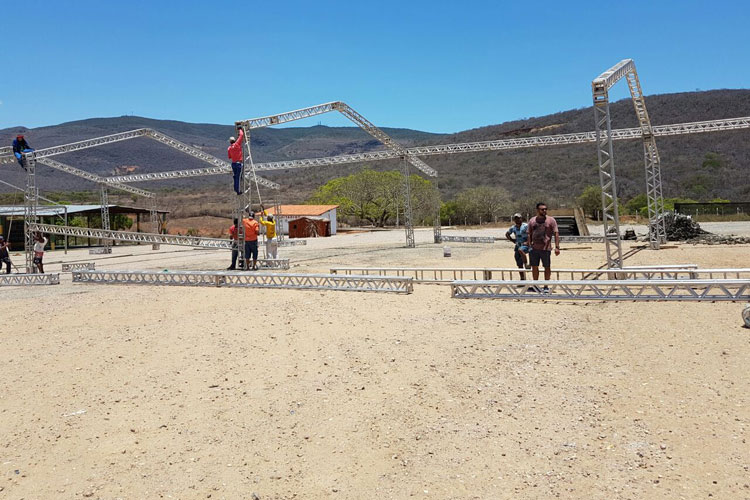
(700, 166)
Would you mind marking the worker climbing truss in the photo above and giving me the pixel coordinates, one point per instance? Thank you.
(343, 108)
(610, 213)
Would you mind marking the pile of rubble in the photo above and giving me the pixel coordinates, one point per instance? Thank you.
(683, 228)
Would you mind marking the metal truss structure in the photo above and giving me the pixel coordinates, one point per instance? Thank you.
(220, 166)
(723, 125)
(248, 280)
(582, 239)
(605, 290)
(104, 204)
(466, 239)
(448, 275)
(343, 108)
(78, 266)
(133, 237)
(600, 90)
(101, 250)
(29, 279)
(63, 167)
(30, 204)
(274, 263)
(291, 242)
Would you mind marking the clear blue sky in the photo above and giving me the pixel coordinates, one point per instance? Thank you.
(428, 65)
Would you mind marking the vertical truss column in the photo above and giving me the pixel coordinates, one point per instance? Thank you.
(104, 200)
(657, 232)
(154, 221)
(279, 233)
(408, 227)
(31, 202)
(436, 228)
(610, 213)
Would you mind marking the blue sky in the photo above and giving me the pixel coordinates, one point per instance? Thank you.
(428, 65)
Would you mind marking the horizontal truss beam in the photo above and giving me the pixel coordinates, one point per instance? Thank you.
(627, 290)
(448, 275)
(78, 266)
(29, 279)
(133, 237)
(248, 280)
(466, 147)
(466, 239)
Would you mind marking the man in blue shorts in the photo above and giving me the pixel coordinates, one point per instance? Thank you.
(520, 230)
(541, 230)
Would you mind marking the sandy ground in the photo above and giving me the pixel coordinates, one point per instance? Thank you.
(142, 392)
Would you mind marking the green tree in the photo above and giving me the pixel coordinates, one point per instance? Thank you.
(482, 204)
(636, 204)
(590, 200)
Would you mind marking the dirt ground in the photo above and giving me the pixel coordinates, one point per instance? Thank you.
(142, 392)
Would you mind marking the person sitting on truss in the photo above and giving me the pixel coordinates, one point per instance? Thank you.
(20, 148)
(234, 152)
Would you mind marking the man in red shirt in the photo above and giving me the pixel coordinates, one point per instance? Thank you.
(541, 229)
(234, 152)
(252, 230)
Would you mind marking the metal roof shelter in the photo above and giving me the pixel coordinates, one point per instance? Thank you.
(13, 231)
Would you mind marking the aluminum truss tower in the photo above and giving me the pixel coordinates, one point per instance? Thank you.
(343, 108)
(600, 91)
(104, 198)
(31, 202)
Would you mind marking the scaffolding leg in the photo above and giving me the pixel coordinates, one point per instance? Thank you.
(408, 227)
(436, 228)
(104, 199)
(610, 213)
(31, 203)
(154, 222)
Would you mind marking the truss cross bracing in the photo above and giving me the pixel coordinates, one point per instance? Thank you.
(248, 280)
(78, 266)
(368, 127)
(104, 198)
(627, 290)
(29, 279)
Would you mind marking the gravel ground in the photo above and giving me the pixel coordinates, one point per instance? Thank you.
(144, 392)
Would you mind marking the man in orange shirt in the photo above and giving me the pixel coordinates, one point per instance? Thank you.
(252, 230)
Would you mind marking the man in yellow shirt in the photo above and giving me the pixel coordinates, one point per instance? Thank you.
(272, 246)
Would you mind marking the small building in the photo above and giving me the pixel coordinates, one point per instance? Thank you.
(309, 227)
(288, 213)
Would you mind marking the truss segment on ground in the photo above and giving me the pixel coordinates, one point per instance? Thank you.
(29, 279)
(605, 290)
(248, 280)
(466, 239)
(442, 275)
(78, 266)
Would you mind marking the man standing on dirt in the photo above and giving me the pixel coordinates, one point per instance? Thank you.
(541, 229)
(235, 248)
(234, 152)
(4, 256)
(272, 246)
(521, 231)
(252, 230)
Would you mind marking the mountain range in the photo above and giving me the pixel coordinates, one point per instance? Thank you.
(701, 166)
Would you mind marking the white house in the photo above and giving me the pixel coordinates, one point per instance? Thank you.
(291, 212)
